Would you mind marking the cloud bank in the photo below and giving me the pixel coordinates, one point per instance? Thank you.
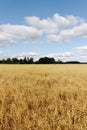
(54, 29)
(76, 54)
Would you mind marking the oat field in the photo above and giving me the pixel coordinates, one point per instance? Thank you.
(43, 97)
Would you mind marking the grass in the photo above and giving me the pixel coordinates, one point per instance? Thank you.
(43, 97)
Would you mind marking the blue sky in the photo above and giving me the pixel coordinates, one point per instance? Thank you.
(37, 28)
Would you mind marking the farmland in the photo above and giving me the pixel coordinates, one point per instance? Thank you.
(43, 97)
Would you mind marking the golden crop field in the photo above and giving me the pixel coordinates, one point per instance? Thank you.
(43, 97)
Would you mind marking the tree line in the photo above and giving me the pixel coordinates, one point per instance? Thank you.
(43, 60)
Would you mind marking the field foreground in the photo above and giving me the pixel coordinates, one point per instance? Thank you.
(43, 97)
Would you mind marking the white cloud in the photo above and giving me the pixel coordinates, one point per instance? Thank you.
(4, 55)
(20, 31)
(5, 40)
(75, 20)
(76, 54)
(62, 56)
(53, 24)
(68, 34)
(45, 25)
(54, 29)
(81, 50)
(26, 54)
(8, 33)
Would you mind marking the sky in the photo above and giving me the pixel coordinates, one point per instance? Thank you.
(39, 28)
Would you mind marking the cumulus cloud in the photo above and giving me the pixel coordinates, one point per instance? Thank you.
(8, 33)
(68, 34)
(5, 40)
(53, 24)
(19, 31)
(54, 29)
(78, 54)
(45, 25)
